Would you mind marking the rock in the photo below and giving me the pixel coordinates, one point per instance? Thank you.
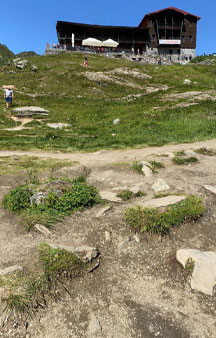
(211, 188)
(39, 197)
(204, 272)
(85, 253)
(146, 163)
(30, 111)
(162, 202)
(34, 68)
(160, 185)
(102, 211)
(136, 238)
(147, 171)
(187, 81)
(58, 125)
(136, 189)
(43, 230)
(116, 121)
(94, 326)
(11, 269)
(190, 153)
(110, 196)
(107, 236)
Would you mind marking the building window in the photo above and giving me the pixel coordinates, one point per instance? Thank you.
(153, 37)
(190, 23)
(190, 38)
(183, 38)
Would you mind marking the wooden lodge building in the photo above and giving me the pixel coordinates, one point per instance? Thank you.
(167, 32)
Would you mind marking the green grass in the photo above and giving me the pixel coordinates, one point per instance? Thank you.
(90, 107)
(180, 160)
(60, 199)
(30, 290)
(16, 164)
(153, 220)
(125, 195)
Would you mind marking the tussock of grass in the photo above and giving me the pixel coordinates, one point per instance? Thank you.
(180, 159)
(125, 195)
(205, 151)
(136, 166)
(29, 291)
(156, 165)
(154, 221)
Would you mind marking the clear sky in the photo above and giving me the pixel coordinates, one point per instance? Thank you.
(28, 25)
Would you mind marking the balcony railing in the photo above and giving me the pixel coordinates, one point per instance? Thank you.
(168, 26)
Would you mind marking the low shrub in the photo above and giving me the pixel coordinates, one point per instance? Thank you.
(62, 200)
(18, 198)
(154, 221)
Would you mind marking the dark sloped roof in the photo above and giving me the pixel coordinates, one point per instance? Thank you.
(167, 9)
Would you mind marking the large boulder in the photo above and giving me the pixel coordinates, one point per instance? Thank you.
(204, 272)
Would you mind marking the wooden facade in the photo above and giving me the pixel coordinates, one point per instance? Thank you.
(168, 29)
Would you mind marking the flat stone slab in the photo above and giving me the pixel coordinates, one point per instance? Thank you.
(43, 230)
(204, 273)
(110, 196)
(29, 111)
(162, 202)
(85, 253)
(160, 185)
(58, 125)
(11, 269)
(211, 188)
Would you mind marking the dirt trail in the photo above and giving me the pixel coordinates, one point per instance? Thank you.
(110, 156)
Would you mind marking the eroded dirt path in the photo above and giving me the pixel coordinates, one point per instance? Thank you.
(111, 156)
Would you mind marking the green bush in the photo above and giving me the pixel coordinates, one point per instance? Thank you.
(76, 195)
(205, 151)
(18, 198)
(154, 221)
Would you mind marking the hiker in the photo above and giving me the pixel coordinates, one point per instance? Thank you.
(9, 96)
(85, 64)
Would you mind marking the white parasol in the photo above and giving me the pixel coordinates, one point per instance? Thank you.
(92, 42)
(110, 43)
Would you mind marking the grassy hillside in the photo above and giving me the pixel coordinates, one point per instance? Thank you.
(152, 111)
(5, 54)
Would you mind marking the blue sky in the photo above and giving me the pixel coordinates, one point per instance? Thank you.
(28, 25)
